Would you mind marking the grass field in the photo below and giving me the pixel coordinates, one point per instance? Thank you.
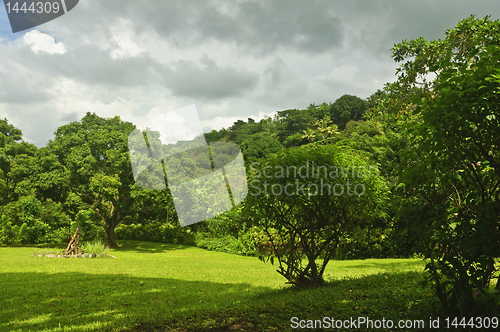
(180, 288)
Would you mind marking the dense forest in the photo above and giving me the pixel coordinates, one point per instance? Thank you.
(432, 137)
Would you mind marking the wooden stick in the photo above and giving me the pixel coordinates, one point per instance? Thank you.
(70, 242)
(77, 242)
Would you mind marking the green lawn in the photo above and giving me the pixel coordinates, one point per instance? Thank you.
(172, 287)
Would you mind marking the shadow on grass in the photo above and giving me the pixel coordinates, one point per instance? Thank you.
(58, 302)
(128, 245)
(396, 296)
(38, 246)
(389, 265)
(84, 302)
(149, 247)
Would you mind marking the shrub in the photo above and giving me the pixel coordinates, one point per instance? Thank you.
(228, 223)
(310, 222)
(248, 242)
(228, 243)
(27, 220)
(22, 234)
(155, 232)
(7, 233)
(86, 227)
(60, 235)
(53, 215)
(95, 247)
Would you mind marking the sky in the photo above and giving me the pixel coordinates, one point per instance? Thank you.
(231, 59)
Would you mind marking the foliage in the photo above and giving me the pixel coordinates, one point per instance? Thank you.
(453, 166)
(294, 121)
(320, 207)
(88, 228)
(155, 232)
(309, 134)
(16, 162)
(347, 108)
(294, 140)
(7, 233)
(325, 127)
(94, 156)
(94, 247)
(27, 220)
(228, 232)
(229, 244)
(258, 146)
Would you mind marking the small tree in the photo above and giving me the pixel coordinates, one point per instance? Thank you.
(324, 127)
(309, 133)
(305, 199)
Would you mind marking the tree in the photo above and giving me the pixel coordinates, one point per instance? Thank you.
(95, 158)
(323, 126)
(375, 98)
(212, 136)
(453, 164)
(235, 129)
(259, 145)
(16, 163)
(309, 134)
(306, 198)
(294, 121)
(347, 108)
(8, 133)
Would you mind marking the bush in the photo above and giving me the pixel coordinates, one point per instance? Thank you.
(7, 233)
(87, 229)
(27, 220)
(94, 247)
(248, 242)
(364, 242)
(311, 222)
(61, 235)
(155, 232)
(228, 223)
(228, 244)
(453, 162)
(53, 215)
(31, 231)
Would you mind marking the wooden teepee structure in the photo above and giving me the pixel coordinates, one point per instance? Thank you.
(73, 247)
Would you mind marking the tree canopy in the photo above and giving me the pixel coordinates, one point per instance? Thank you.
(452, 161)
(306, 199)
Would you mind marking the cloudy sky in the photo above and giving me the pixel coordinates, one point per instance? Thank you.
(232, 59)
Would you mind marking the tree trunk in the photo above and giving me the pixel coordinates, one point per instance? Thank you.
(110, 233)
(110, 223)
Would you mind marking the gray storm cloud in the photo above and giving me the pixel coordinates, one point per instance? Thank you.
(232, 59)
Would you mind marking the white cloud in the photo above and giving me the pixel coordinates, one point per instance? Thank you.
(219, 123)
(122, 43)
(182, 124)
(226, 122)
(344, 72)
(39, 41)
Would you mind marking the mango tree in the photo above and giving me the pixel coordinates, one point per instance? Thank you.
(93, 154)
